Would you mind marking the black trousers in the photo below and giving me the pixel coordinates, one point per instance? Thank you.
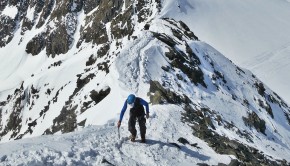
(132, 123)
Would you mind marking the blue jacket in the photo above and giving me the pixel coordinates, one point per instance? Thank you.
(143, 102)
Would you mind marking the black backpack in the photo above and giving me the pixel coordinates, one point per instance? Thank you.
(138, 109)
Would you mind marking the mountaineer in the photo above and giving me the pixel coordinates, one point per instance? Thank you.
(137, 112)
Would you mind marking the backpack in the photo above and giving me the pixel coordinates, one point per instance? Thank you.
(137, 110)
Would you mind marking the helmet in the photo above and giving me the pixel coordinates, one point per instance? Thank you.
(131, 99)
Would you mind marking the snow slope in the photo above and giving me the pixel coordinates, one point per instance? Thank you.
(100, 145)
(254, 34)
(61, 95)
(273, 68)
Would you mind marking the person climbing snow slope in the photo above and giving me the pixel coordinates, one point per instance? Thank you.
(137, 113)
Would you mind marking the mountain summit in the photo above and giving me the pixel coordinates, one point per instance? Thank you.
(68, 65)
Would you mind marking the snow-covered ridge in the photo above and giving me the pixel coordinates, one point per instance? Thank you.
(253, 34)
(228, 110)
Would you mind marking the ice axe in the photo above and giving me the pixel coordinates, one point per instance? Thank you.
(118, 125)
(119, 132)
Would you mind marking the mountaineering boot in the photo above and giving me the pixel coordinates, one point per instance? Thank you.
(143, 140)
(132, 138)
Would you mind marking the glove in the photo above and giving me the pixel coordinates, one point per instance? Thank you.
(119, 124)
(147, 116)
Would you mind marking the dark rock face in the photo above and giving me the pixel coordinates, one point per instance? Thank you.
(89, 5)
(165, 39)
(260, 87)
(193, 72)
(46, 8)
(188, 62)
(57, 42)
(81, 82)
(91, 61)
(234, 163)
(142, 11)
(82, 123)
(122, 24)
(99, 96)
(59, 20)
(26, 25)
(9, 25)
(103, 66)
(221, 144)
(3, 4)
(103, 50)
(15, 118)
(56, 39)
(7, 28)
(253, 120)
(66, 121)
(64, 7)
(287, 117)
(38, 4)
(63, 14)
(97, 33)
(159, 95)
(36, 45)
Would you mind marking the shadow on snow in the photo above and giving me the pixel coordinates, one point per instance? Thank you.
(183, 148)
